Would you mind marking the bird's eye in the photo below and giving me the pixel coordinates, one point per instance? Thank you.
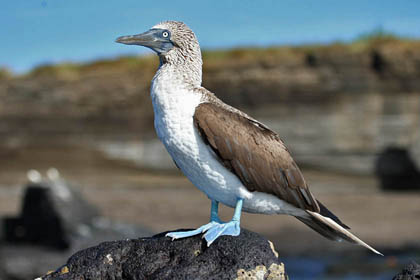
(165, 34)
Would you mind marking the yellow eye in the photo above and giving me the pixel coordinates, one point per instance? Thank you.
(165, 34)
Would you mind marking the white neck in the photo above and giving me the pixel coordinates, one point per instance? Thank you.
(174, 102)
(171, 89)
(186, 67)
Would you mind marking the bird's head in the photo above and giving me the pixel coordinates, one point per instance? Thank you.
(173, 41)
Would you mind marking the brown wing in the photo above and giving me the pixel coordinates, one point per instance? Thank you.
(254, 153)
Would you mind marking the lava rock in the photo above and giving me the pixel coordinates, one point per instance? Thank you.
(247, 256)
(39, 222)
(410, 272)
(396, 170)
(55, 222)
(52, 211)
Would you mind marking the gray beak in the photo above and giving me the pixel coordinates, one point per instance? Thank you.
(144, 39)
(151, 39)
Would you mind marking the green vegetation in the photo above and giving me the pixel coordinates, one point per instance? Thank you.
(122, 63)
(233, 57)
(69, 71)
(62, 70)
(5, 73)
(378, 35)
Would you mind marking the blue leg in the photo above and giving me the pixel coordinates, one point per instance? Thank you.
(214, 214)
(230, 228)
(216, 227)
(214, 220)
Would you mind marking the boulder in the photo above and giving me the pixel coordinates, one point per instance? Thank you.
(55, 222)
(396, 170)
(410, 272)
(247, 256)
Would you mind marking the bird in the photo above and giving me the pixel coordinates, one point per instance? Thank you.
(233, 158)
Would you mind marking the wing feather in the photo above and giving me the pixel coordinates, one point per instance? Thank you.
(254, 153)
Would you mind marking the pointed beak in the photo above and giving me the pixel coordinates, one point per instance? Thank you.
(151, 39)
(147, 39)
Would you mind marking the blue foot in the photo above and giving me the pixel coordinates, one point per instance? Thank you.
(231, 228)
(183, 234)
(216, 227)
(212, 231)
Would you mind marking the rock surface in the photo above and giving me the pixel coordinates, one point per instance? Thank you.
(397, 170)
(410, 272)
(55, 222)
(247, 256)
(51, 212)
(114, 95)
(348, 101)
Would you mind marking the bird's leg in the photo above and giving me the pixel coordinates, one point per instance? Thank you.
(230, 228)
(214, 214)
(216, 227)
(214, 220)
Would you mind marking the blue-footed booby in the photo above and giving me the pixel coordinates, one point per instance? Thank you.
(231, 157)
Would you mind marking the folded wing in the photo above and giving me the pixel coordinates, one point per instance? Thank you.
(254, 153)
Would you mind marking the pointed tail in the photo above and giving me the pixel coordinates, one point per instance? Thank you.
(332, 230)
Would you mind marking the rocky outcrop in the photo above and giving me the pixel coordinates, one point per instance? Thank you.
(55, 222)
(247, 256)
(317, 74)
(114, 95)
(410, 272)
(349, 101)
(51, 213)
(396, 170)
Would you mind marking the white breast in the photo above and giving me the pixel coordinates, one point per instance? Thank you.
(174, 106)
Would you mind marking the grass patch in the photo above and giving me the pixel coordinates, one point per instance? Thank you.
(5, 73)
(236, 57)
(61, 70)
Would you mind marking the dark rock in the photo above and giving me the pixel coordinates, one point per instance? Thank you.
(38, 223)
(51, 211)
(377, 62)
(54, 223)
(396, 170)
(2, 275)
(311, 60)
(410, 272)
(158, 257)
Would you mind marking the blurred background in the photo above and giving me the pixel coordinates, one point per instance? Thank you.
(339, 81)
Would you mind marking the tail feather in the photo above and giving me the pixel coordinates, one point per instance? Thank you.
(332, 230)
(327, 213)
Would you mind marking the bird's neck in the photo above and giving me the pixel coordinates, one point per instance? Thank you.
(173, 85)
(185, 69)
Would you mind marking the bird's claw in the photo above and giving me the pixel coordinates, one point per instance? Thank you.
(182, 234)
(231, 228)
(211, 231)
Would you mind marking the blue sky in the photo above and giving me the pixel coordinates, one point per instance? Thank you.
(48, 31)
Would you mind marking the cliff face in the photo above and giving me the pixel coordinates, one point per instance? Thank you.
(92, 99)
(354, 98)
(314, 74)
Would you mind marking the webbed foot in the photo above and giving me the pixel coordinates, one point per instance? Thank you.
(211, 231)
(231, 228)
(216, 227)
(183, 234)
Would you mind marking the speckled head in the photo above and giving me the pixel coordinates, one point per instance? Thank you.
(173, 41)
